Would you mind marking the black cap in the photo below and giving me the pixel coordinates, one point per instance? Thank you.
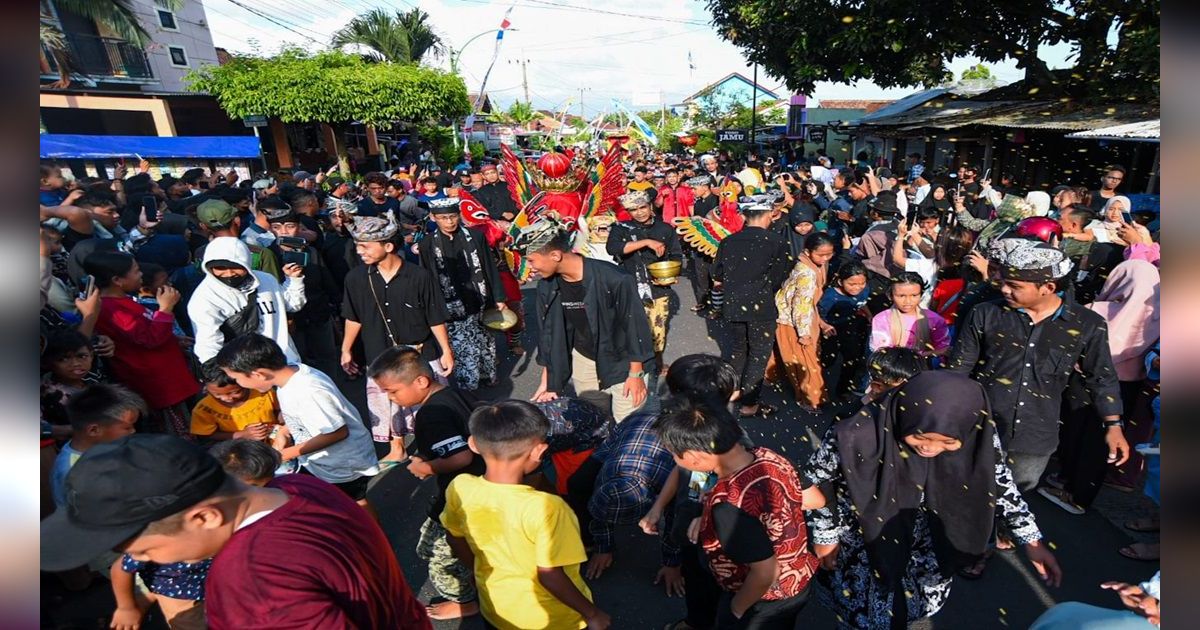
(115, 490)
(885, 203)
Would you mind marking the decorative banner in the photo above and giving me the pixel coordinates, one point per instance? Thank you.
(637, 121)
(470, 122)
(731, 135)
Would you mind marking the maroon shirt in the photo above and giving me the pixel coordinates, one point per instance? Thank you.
(319, 561)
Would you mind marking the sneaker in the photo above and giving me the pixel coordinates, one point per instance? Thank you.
(1060, 498)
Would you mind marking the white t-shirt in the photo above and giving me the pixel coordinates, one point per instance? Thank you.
(312, 405)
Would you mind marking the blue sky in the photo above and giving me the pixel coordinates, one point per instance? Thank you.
(612, 49)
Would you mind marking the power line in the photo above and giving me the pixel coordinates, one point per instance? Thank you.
(553, 6)
(274, 21)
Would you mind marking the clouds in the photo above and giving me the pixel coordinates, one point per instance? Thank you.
(608, 54)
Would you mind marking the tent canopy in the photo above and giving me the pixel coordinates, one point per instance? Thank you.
(66, 146)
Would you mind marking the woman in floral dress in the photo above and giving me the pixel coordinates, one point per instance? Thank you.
(929, 451)
(799, 328)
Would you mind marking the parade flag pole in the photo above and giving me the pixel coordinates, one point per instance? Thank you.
(470, 122)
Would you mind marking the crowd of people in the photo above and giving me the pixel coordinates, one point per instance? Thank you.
(972, 342)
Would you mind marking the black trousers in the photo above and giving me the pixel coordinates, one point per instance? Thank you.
(701, 277)
(844, 357)
(752, 345)
(703, 594)
(779, 614)
(1082, 453)
(579, 492)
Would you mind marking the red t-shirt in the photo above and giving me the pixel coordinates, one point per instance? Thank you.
(318, 561)
(147, 358)
(752, 515)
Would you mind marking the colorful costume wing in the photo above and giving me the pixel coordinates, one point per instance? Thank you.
(607, 184)
(531, 213)
(701, 233)
(520, 183)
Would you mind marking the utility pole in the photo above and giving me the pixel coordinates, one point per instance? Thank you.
(524, 76)
(581, 102)
(754, 107)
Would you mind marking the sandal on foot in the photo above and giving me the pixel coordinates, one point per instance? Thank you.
(1062, 499)
(388, 464)
(764, 411)
(1148, 552)
(975, 571)
(1147, 525)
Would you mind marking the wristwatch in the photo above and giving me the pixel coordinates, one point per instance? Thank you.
(638, 374)
(1108, 424)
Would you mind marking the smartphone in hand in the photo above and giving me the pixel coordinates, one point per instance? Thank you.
(150, 208)
(86, 284)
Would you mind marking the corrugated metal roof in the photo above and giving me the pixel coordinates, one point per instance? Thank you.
(952, 114)
(1144, 130)
(903, 105)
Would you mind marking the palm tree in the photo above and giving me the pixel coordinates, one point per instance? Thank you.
(400, 37)
(520, 113)
(117, 15)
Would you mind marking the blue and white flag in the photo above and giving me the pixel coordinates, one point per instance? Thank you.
(639, 124)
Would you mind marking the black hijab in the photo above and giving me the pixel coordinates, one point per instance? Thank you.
(888, 481)
(942, 204)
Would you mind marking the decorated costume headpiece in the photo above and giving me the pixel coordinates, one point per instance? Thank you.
(537, 236)
(373, 229)
(634, 200)
(598, 226)
(1029, 261)
(700, 180)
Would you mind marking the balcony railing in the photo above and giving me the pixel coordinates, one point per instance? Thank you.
(104, 57)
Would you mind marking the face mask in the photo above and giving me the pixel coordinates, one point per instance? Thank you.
(236, 282)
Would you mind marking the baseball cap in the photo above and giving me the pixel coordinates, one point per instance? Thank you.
(116, 489)
(215, 213)
(300, 176)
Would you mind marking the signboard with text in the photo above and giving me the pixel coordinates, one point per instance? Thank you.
(254, 121)
(816, 134)
(731, 135)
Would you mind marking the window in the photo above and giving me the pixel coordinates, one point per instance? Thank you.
(178, 56)
(166, 19)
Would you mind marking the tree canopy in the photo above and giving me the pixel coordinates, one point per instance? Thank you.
(331, 87)
(400, 37)
(898, 43)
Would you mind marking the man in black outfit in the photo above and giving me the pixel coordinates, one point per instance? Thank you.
(494, 195)
(594, 332)
(702, 206)
(637, 243)
(751, 266)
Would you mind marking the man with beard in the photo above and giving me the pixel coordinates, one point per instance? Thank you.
(466, 272)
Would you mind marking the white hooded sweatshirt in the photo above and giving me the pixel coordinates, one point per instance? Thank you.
(214, 301)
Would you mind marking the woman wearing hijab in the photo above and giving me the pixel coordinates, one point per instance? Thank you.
(938, 199)
(1130, 305)
(914, 482)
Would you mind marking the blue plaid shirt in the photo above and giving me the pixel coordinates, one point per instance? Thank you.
(635, 465)
(915, 171)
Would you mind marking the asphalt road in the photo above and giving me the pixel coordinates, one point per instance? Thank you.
(1009, 595)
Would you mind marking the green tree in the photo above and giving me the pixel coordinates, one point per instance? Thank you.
(881, 41)
(976, 72)
(332, 87)
(520, 113)
(400, 37)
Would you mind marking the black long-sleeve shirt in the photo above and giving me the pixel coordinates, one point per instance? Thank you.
(752, 264)
(1025, 368)
(627, 232)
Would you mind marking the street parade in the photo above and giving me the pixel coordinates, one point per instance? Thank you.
(761, 320)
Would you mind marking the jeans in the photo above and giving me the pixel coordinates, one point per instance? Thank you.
(1079, 616)
(752, 345)
(1027, 469)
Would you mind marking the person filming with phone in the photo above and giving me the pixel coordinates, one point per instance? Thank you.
(311, 327)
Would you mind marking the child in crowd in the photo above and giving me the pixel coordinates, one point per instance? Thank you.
(330, 440)
(889, 368)
(253, 462)
(906, 324)
(752, 525)
(440, 435)
(98, 415)
(154, 277)
(177, 588)
(232, 412)
(695, 376)
(66, 367)
(843, 308)
(523, 544)
(52, 186)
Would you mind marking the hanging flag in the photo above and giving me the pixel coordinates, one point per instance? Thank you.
(504, 24)
(691, 66)
(639, 124)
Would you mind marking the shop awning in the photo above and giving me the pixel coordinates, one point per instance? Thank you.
(66, 146)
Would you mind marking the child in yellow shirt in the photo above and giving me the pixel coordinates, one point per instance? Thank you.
(510, 532)
(232, 412)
